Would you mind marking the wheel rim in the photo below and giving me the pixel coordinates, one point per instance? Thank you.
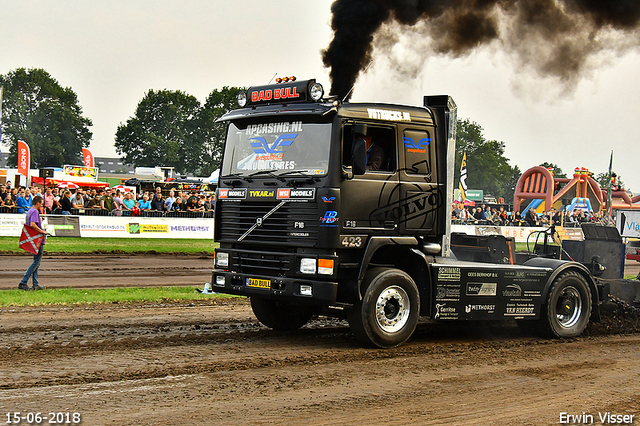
(569, 307)
(392, 309)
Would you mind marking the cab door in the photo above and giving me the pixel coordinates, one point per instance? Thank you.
(369, 202)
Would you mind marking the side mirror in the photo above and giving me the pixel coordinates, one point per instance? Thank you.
(359, 156)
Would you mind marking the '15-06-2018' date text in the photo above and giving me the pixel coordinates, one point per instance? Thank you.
(51, 418)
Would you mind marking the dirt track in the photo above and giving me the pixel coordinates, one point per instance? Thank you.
(211, 363)
(99, 271)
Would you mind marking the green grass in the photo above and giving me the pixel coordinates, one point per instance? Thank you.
(71, 296)
(9, 245)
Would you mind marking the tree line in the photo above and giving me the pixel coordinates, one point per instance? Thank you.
(169, 127)
(172, 128)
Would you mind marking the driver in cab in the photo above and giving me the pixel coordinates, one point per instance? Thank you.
(375, 155)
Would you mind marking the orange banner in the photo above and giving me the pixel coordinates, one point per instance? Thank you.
(88, 157)
(24, 159)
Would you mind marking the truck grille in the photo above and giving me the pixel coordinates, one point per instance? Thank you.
(280, 227)
(263, 263)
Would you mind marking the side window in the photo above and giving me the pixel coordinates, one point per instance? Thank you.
(381, 155)
(417, 152)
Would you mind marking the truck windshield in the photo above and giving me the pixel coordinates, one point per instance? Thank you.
(278, 147)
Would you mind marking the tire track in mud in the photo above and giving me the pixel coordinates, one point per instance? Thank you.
(240, 344)
(212, 362)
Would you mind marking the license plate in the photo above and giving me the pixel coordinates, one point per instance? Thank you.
(255, 282)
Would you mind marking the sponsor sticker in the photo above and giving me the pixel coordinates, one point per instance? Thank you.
(262, 193)
(232, 194)
(444, 312)
(478, 307)
(296, 194)
(520, 309)
(330, 219)
(448, 274)
(448, 292)
(387, 114)
(419, 147)
(482, 289)
(136, 228)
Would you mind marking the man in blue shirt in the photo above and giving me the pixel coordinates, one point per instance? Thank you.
(22, 202)
(35, 222)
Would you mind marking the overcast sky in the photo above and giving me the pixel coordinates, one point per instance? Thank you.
(111, 52)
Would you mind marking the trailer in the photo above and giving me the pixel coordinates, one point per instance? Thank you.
(344, 209)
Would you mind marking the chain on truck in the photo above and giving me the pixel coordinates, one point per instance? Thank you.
(307, 227)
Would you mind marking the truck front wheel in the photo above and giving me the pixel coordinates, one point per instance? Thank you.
(388, 312)
(568, 307)
(280, 315)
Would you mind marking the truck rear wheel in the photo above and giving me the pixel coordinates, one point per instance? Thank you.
(280, 315)
(388, 312)
(568, 307)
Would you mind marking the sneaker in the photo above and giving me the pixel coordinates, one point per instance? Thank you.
(23, 287)
(37, 287)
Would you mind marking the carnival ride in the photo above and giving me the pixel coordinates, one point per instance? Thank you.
(579, 192)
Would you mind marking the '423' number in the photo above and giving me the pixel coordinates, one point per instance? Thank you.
(352, 241)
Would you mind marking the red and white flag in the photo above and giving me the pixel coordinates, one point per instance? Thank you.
(87, 157)
(30, 240)
(24, 159)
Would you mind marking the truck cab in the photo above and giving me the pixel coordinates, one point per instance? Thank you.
(344, 209)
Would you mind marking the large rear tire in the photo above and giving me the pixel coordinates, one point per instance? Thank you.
(388, 313)
(280, 315)
(568, 308)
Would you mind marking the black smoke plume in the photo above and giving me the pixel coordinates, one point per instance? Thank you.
(553, 37)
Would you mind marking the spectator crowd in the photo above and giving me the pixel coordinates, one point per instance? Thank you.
(107, 202)
(498, 216)
(113, 202)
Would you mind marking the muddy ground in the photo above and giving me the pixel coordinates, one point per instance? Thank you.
(112, 270)
(210, 362)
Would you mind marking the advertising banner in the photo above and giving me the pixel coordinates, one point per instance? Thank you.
(87, 156)
(24, 159)
(80, 172)
(62, 226)
(628, 223)
(474, 194)
(11, 224)
(519, 233)
(145, 227)
(113, 227)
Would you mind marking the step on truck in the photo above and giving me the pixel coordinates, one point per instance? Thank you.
(344, 209)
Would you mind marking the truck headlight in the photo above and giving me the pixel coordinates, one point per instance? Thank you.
(325, 266)
(307, 266)
(316, 91)
(222, 260)
(242, 99)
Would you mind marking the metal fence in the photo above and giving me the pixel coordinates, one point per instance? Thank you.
(124, 213)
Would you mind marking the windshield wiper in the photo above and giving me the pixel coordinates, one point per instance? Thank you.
(308, 178)
(295, 172)
(231, 175)
(236, 182)
(266, 172)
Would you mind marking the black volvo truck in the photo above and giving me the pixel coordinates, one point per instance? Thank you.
(343, 209)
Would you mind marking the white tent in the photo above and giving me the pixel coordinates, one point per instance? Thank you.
(213, 178)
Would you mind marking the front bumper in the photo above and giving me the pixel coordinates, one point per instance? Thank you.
(280, 288)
